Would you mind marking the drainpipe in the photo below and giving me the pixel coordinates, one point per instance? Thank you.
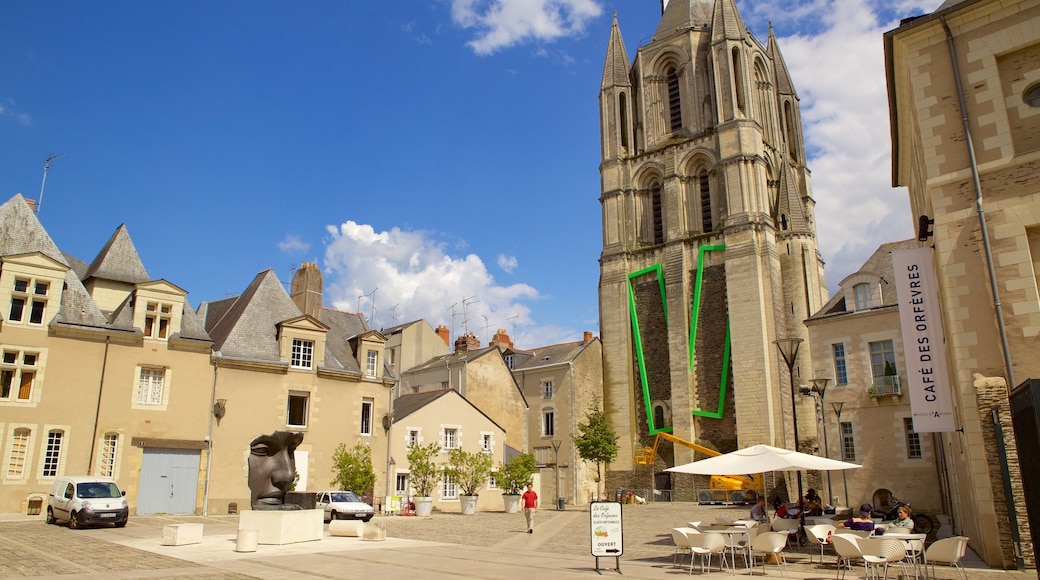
(1009, 500)
(209, 439)
(97, 411)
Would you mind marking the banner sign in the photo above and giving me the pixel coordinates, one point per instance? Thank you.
(605, 524)
(924, 348)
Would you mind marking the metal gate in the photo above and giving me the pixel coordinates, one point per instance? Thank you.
(169, 481)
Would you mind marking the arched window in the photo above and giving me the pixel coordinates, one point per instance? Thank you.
(862, 292)
(658, 416)
(655, 201)
(783, 222)
(52, 456)
(792, 143)
(705, 190)
(623, 122)
(1032, 96)
(738, 79)
(674, 106)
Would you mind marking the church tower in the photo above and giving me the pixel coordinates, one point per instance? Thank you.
(709, 239)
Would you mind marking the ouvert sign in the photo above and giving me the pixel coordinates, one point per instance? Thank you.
(606, 531)
(924, 346)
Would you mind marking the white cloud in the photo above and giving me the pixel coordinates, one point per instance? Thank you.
(507, 263)
(8, 111)
(411, 273)
(293, 245)
(505, 23)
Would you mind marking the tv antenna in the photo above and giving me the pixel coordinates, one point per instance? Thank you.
(46, 166)
(373, 295)
(465, 312)
(487, 338)
(393, 314)
(512, 319)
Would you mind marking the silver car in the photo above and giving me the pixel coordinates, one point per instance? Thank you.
(343, 505)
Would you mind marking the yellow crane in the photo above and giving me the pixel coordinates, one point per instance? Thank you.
(721, 488)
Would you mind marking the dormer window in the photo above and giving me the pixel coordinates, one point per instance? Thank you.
(22, 300)
(863, 299)
(302, 354)
(157, 320)
(370, 363)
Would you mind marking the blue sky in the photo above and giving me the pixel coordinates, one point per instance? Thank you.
(435, 152)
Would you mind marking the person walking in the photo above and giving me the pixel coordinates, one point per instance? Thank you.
(530, 503)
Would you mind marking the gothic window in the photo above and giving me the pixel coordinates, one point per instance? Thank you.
(792, 143)
(658, 416)
(738, 79)
(705, 193)
(674, 107)
(623, 124)
(783, 222)
(655, 201)
(763, 111)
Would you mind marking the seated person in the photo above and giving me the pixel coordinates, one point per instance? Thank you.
(758, 511)
(863, 522)
(813, 503)
(903, 519)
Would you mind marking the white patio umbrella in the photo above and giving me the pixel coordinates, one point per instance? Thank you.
(760, 459)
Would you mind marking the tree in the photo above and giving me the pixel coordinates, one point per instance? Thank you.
(514, 474)
(470, 470)
(422, 469)
(353, 468)
(597, 442)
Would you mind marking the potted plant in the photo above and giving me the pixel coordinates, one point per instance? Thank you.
(422, 470)
(512, 477)
(471, 472)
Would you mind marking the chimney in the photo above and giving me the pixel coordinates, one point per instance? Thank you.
(587, 337)
(30, 202)
(442, 331)
(308, 289)
(467, 342)
(501, 340)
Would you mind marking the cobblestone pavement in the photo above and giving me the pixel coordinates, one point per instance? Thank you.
(485, 545)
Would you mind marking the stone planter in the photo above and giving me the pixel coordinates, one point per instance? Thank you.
(423, 506)
(511, 503)
(468, 503)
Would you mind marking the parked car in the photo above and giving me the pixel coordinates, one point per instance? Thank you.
(343, 505)
(83, 500)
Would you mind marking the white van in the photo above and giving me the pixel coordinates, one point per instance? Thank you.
(82, 500)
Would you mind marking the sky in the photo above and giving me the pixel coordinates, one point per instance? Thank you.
(437, 159)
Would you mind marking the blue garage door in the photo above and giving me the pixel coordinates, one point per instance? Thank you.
(169, 481)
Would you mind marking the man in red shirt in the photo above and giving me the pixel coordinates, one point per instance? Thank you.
(530, 504)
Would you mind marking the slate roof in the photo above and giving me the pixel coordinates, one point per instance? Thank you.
(879, 263)
(457, 356)
(22, 232)
(405, 405)
(551, 355)
(342, 327)
(683, 14)
(118, 260)
(77, 307)
(615, 69)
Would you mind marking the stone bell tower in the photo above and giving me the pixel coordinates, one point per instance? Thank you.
(709, 237)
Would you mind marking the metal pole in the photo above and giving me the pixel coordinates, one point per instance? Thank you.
(789, 358)
(556, 468)
(819, 388)
(837, 411)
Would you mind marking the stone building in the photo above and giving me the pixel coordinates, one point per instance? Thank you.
(709, 239)
(964, 102)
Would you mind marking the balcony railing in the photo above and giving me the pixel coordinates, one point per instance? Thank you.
(884, 386)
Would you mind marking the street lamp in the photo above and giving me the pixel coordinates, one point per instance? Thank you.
(816, 392)
(837, 411)
(556, 468)
(789, 350)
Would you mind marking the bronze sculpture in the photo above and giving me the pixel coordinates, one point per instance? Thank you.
(272, 469)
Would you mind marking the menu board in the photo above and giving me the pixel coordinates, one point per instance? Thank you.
(606, 528)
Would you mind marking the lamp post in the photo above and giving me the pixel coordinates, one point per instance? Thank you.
(837, 411)
(817, 391)
(556, 468)
(789, 350)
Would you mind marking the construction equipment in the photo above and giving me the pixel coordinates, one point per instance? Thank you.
(739, 489)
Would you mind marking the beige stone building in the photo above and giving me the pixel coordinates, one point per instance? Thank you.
(446, 417)
(709, 239)
(858, 345)
(561, 382)
(964, 99)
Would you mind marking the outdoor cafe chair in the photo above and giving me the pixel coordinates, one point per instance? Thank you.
(878, 553)
(846, 546)
(947, 551)
(819, 535)
(680, 536)
(706, 545)
(769, 544)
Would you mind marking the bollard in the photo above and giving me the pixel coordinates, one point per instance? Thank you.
(246, 541)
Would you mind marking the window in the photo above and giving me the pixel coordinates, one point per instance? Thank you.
(862, 291)
(548, 423)
(704, 183)
(848, 442)
(841, 376)
(19, 450)
(413, 437)
(370, 363)
(52, 456)
(1032, 96)
(401, 484)
(486, 442)
(109, 451)
(658, 416)
(492, 480)
(366, 416)
(509, 361)
(18, 374)
(449, 489)
(674, 105)
(157, 320)
(882, 359)
(150, 386)
(451, 438)
(913, 439)
(547, 389)
(297, 415)
(623, 120)
(655, 202)
(302, 354)
(36, 302)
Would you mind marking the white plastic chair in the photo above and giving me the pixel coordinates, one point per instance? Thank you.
(706, 545)
(878, 553)
(947, 551)
(769, 543)
(846, 546)
(682, 544)
(819, 535)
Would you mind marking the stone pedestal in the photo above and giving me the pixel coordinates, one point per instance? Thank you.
(350, 528)
(374, 531)
(283, 527)
(181, 534)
